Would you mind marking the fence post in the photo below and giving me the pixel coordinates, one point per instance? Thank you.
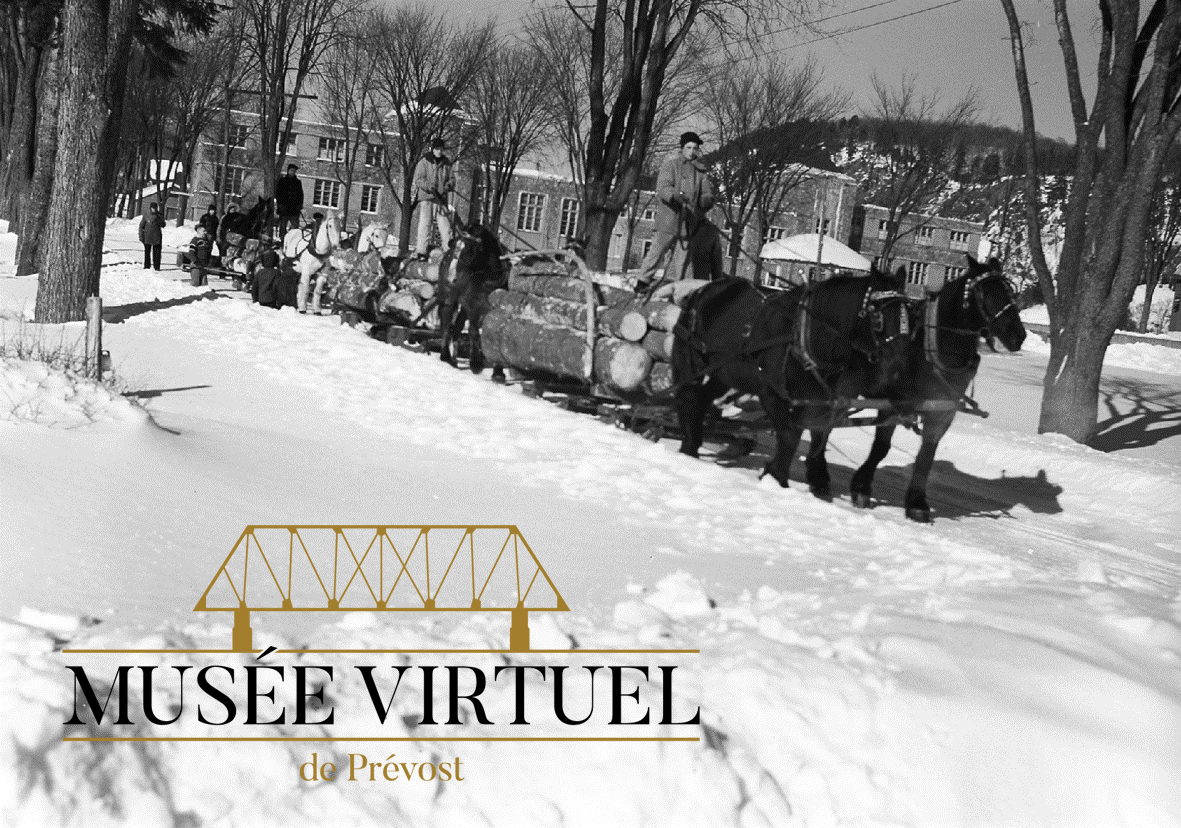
(94, 337)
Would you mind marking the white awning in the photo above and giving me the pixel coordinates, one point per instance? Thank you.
(802, 248)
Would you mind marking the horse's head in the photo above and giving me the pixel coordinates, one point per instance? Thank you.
(478, 251)
(986, 304)
(373, 237)
(328, 235)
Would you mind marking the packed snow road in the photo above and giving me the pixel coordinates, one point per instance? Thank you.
(1016, 662)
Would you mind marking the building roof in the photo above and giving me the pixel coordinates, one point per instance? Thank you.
(805, 247)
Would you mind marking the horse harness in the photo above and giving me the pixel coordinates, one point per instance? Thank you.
(799, 341)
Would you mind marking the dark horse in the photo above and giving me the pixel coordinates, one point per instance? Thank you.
(801, 351)
(468, 274)
(943, 360)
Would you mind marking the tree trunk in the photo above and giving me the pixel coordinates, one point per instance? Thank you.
(600, 224)
(1070, 404)
(16, 168)
(1150, 280)
(95, 44)
(36, 201)
(407, 212)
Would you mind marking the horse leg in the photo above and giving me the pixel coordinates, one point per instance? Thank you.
(476, 357)
(321, 281)
(935, 425)
(305, 284)
(446, 314)
(692, 402)
(861, 486)
(816, 465)
(787, 436)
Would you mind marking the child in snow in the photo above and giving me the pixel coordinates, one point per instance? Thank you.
(200, 253)
(265, 280)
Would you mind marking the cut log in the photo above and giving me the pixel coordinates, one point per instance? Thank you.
(623, 323)
(400, 303)
(621, 365)
(509, 340)
(660, 378)
(662, 316)
(659, 344)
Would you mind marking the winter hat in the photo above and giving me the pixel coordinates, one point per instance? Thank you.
(438, 143)
(269, 258)
(690, 138)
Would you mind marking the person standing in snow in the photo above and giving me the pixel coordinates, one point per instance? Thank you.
(151, 235)
(200, 252)
(684, 196)
(288, 200)
(433, 184)
(210, 222)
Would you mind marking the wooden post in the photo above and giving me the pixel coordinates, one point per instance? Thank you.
(94, 337)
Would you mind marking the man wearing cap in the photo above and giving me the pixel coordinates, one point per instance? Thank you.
(433, 183)
(684, 196)
(288, 200)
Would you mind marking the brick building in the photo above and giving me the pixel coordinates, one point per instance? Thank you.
(931, 248)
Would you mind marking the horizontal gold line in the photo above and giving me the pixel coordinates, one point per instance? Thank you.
(381, 739)
(375, 526)
(423, 652)
(376, 609)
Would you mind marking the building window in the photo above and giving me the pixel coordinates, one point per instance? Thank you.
(916, 274)
(237, 135)
(953, 273)
(649, 214)
(568, 227)
(369, 194)
(292, 150)
(374, 155)
(529, 209)
(234, 180)
(331, 149)
(925, 236)
(816, 226)
(773, 233)
(883, 229)
(645, 248)
(326, 193)
(959, 239)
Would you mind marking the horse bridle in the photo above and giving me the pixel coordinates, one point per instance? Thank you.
(973, 292)
(873, 305)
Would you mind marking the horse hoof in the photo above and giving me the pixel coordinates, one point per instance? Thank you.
(476, 365)
(498, 377)
(861, 500)
(919, 515)
(822, 492)
(693, 453)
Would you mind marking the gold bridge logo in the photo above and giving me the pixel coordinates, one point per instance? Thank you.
(381, 569)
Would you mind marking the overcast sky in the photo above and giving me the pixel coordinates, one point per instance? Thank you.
(965, 42)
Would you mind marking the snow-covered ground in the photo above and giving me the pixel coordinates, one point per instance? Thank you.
(1018, 662)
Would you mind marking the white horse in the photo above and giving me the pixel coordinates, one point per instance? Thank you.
(310, 254)
(374, 237)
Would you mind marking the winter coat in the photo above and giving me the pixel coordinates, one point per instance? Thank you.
(289, 196)
(151, 229)
(433, 178)
(687, 179)
(200, 251)
(210, 222)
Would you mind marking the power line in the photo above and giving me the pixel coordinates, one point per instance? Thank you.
(862, 28)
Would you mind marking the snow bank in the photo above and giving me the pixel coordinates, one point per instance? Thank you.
(32, 392)
(1141, 356)
(7, 249)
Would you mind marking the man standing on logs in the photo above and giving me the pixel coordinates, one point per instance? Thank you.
(433, 183)
(684, 197)
(289, 200)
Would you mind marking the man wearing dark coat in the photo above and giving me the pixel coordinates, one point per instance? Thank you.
(210, 222)
(684, 196)
(151, 233)
(288, 200)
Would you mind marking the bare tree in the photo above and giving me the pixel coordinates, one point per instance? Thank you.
(914, 144)
(625, 51)
(424, 67)
(346, 74)
(769, 117)
(1123, 138)
(507, 102)
(1163, 251)
(27, 39)
(284, 40)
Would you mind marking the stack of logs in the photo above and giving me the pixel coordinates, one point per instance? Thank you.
(540, 322)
